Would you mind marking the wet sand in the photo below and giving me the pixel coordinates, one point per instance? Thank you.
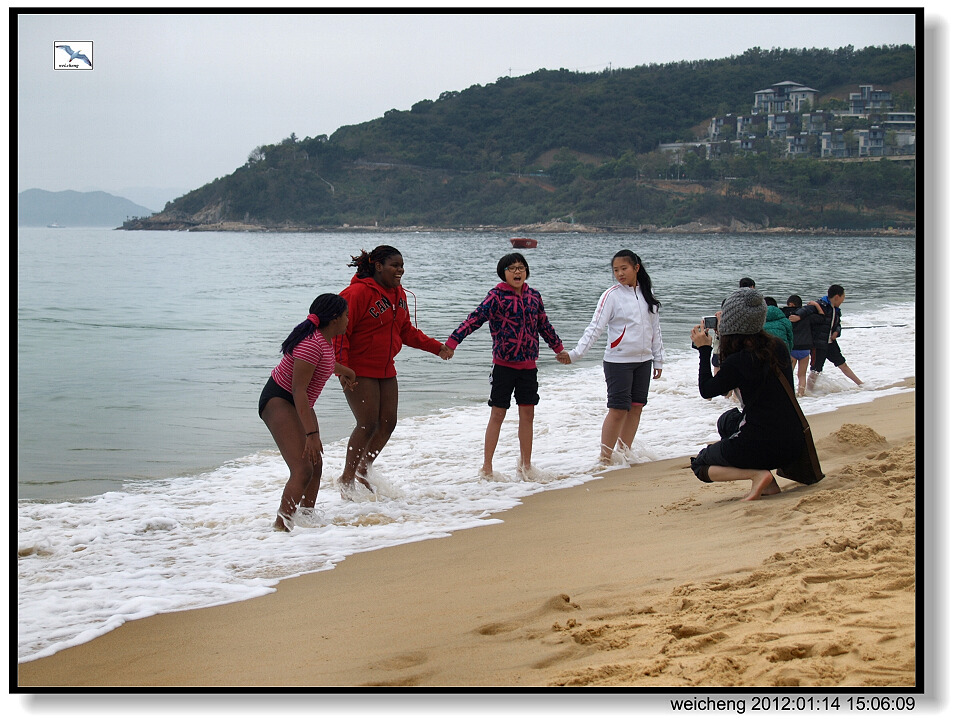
(643, 578)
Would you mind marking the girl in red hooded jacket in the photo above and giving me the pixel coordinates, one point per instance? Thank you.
(379, 326)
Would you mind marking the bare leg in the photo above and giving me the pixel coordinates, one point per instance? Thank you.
(845, 369)
(386, 424)
(763, 482)
(525, 434)
(630, 424)
(491, 438)
(368, 400)
(284, 424)
(802, 376)
(610, 432)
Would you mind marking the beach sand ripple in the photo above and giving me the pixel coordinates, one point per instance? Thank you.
(838, 612)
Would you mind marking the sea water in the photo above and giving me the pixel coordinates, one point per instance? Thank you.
(146, 482)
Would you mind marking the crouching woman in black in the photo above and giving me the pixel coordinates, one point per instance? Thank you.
(769, 433)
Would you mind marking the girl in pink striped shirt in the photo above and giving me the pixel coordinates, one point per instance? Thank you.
(287, 400)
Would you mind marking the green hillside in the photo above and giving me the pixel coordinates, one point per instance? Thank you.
(557, 144)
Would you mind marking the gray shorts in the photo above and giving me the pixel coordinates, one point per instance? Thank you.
(627, 383)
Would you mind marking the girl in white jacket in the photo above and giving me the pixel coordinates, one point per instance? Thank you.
(631, 315)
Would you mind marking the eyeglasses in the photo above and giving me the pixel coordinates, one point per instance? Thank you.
(517, 268)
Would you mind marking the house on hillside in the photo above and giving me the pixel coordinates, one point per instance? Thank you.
(870, 100)
(871, 142)
(785, 112)
(779, 124)
(833, 145)
(784, 97)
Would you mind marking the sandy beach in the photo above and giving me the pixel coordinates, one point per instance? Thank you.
(643, 578)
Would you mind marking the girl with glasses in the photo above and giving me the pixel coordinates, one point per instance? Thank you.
(517, 322)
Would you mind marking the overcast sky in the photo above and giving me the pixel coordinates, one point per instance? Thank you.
(176, 101)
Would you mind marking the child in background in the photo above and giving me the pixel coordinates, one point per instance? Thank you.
(517, 321)
(802, 340)
(777, 323)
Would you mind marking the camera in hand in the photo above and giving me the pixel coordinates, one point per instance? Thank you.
(708, 323)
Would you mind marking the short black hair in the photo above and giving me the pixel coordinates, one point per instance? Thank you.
(794, 300)
(835, 290)
(770, 302)
(508, 260)
(747, 282)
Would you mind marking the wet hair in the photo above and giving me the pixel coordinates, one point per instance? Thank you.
(747, 282)
(643, 279)
(366, 262)
(508, 260)
(327, 307)
(794, 300)
(759, 344)
(770, 302)
(835, 290)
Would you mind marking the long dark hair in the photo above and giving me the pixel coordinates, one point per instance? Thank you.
(760, 344)
(643, 279)
(366, 262)
(325, 308)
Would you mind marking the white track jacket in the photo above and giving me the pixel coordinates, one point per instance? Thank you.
(633, 332)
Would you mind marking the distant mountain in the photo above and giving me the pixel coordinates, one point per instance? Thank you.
(75, 209)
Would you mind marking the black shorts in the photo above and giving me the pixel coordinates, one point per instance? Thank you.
(627, 383)
(506, 381)
(831, 352)
(710, 455)
(272, 390)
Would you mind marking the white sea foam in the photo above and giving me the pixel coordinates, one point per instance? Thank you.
(87, 566)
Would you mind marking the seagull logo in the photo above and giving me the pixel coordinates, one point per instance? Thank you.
(75, 55)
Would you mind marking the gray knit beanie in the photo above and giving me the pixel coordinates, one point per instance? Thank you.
(743, 313)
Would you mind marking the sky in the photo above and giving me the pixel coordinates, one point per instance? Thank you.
(177, 100)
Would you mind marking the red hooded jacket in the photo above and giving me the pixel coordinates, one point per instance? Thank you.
(379, 326)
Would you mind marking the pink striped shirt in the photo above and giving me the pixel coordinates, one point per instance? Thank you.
(315, 350)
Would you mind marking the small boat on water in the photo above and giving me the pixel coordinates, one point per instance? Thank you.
(523, 242)
(55, 225)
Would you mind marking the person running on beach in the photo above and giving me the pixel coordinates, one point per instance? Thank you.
(378, 328)
(631, 315)
(825, 334)
(517, 320)
(769, 433)
(287, 400)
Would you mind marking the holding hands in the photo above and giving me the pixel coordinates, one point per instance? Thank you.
(563, 357)
(446, 352)
(348, 378)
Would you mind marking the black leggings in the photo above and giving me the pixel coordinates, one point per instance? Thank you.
(272, 390)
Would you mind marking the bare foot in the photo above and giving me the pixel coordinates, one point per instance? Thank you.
(760, 483)
(771, 489)
(282, 525)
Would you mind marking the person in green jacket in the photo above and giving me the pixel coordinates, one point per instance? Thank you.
(777, 323)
